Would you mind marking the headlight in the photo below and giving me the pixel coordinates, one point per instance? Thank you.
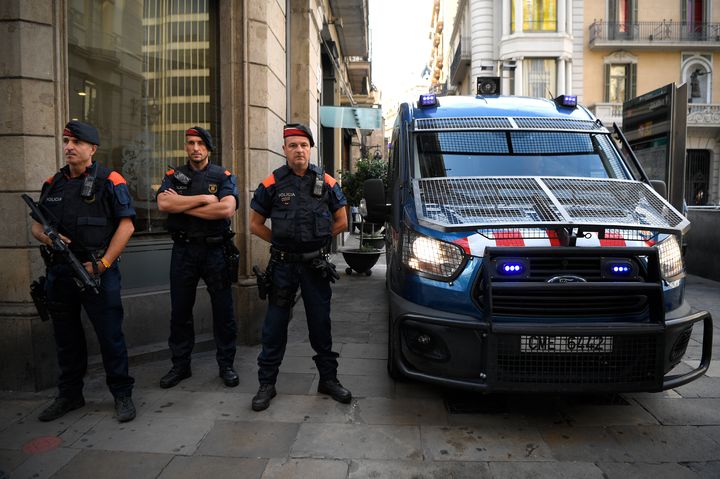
(438, 259)
(671, 262)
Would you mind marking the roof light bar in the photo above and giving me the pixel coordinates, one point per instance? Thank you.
(427, 100)
(566, 100)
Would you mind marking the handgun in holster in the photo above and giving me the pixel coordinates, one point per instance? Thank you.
(264, 282)
(39, 297)
(232, 257)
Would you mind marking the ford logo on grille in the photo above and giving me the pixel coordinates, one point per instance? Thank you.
(567, 279)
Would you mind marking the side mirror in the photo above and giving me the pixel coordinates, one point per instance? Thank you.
(660, 187)
(374, 195)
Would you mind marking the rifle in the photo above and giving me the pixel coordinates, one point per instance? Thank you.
(83, 279)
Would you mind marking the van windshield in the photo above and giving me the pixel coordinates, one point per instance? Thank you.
(517, 153)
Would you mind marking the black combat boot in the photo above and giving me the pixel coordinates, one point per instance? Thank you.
(334, 389)
(124, 409)
(60, 407)
(263, 397)
(174, 376)
(229, 376)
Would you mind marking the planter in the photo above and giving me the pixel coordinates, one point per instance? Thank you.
(360, 260)
(375, 242)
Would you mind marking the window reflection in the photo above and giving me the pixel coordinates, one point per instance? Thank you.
(142, 71)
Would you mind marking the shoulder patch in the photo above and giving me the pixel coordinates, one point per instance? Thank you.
(116, 178)
(50, 180)
(227, 173)
(170, 172)
(269, 181)
(330, 180)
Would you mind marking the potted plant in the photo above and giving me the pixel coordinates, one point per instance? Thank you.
(364, 257)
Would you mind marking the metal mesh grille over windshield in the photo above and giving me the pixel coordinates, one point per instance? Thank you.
(463, 202)
(508, 123)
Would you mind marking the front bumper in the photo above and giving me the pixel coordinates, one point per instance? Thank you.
(465, 352)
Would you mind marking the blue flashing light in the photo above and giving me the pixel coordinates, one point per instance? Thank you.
(620, 269)
(428, 99)
(566, 100)
(511, 268)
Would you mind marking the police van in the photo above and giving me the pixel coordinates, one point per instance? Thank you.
(527, 250)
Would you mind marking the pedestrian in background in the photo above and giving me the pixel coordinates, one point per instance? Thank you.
(200, 198)
(91, 208)
(306, 207)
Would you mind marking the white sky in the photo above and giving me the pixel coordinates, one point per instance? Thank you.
(400, 45)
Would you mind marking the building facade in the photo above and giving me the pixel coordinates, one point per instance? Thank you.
(142, 71)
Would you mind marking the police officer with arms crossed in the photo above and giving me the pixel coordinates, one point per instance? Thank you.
(306, 208)
(92, 210)
(200, 198)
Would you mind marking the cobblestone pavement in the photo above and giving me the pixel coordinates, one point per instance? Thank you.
(398, 430)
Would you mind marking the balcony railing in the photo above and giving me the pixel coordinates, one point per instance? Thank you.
(703, 114)
(654, 32)
(460, 62)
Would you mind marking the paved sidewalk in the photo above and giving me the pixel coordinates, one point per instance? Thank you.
(390, 430)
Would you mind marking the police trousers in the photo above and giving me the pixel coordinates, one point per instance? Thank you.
(189, 263)
(105, 312)
(316, 294)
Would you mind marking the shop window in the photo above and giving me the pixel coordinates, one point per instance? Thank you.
(697, 177)
(142, 72)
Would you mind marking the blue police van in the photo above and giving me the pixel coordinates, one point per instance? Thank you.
(527, 250)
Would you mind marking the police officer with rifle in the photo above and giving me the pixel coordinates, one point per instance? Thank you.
(85, 219)
(306, 207)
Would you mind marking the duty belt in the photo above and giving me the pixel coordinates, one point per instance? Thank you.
(209, 240)
(288, 257)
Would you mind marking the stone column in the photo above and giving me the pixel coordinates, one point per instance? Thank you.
(30, 124)
(560, 68)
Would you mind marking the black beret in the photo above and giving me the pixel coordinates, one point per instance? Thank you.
(82, 131)
(202, 133)
(298, 129)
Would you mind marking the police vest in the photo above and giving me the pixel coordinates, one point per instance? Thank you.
(206, 182)
(89, 222)
(301, 221)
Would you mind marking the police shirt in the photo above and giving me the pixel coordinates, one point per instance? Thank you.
(211, 180)
(301, 220)
(89, 222)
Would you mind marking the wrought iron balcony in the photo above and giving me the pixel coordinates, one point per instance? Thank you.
(661, 34)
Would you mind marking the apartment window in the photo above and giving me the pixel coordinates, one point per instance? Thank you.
(620, 80)
(693, 17)
(540, 15)
(142, 72)
(539, 77)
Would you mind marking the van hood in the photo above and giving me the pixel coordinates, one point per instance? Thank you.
(472, 203)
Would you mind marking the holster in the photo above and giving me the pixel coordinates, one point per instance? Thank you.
(39, 297)
(264, 281)
(325, 268)
(232, 258)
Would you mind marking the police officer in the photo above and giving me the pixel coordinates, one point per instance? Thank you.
(306, 209)
(91, 208)
(200, 198)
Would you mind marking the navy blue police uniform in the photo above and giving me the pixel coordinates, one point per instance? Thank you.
(90, 222)
(198, 252)
(301, 231)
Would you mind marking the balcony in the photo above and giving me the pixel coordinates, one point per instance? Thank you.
(460, 62)
(703, 115)
(608, 113)
(654, 35)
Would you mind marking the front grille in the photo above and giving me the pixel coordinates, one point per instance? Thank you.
(633, 360)
(565, 304)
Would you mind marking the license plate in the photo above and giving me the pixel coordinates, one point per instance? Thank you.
(566, 344)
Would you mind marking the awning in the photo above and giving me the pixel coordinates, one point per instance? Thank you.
(351, 117)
